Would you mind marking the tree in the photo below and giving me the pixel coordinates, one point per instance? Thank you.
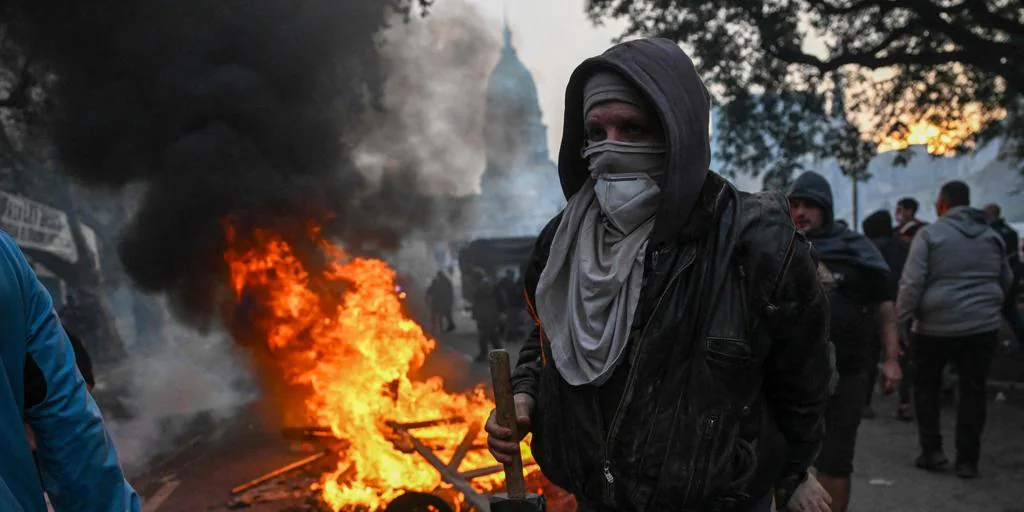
(771, 65)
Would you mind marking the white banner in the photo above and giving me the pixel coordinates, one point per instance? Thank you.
(37, 226)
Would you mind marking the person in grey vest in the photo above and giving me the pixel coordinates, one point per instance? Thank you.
(952, 288)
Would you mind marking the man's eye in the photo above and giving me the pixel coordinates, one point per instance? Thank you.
(633, 129)
(595, 133)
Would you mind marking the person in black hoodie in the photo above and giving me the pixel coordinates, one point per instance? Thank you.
(878, 228)
(680, 358)
(860, 291)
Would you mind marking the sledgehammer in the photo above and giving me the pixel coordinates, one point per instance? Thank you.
(516, 499)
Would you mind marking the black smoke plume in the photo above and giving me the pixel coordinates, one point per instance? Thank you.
(220, 107)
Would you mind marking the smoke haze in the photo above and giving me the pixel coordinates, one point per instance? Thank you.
(436, 72)
(269, 113)
(187, 380)
(220, 107)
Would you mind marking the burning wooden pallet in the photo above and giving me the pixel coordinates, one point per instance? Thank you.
(403, 438)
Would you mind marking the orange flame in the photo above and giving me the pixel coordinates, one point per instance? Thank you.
(355, 354)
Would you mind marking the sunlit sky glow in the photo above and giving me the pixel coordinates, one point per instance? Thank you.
(554, 36)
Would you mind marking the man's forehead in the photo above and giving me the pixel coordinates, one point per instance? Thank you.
(616, 108)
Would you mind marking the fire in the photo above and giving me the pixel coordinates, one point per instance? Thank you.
(341, 332)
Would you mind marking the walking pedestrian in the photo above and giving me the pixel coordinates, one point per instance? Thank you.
(441, 298)
(953, 287)
(861, 302)
(879, 229)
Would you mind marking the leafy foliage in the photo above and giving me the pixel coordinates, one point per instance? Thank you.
(771, 63)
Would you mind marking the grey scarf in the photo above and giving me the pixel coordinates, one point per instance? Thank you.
(589, 289)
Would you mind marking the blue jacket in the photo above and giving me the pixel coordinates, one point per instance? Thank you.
(36, 359)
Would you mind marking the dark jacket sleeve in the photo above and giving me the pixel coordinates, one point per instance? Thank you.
(526, 375)
(800, 368)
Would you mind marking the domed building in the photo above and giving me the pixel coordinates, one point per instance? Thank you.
(520, 190)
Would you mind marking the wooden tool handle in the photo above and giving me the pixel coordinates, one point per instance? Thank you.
(501, 377)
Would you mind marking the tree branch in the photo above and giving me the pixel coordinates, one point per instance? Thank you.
(869, 59)
(929, 15)
(979, 11)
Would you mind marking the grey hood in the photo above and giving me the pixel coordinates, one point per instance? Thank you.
(667, 77)
(967, 220)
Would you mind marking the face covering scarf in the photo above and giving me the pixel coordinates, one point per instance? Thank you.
(624, 176)
(590, 287)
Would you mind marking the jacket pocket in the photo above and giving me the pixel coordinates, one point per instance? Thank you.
(728, 353)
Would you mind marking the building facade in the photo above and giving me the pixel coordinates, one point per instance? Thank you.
(520, 190)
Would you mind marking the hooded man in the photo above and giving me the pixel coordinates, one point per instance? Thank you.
(860, 292)
(953, 287)
(680, 358)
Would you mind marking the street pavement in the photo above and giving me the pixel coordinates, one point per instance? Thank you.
(200, 475)
(886, 480)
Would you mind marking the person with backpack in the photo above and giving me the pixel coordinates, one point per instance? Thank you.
(680, 358)
(860, 294)
(40, 385)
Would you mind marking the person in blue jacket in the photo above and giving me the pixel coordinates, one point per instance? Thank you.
(41, 386)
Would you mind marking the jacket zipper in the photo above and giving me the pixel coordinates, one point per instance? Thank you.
(771, 306)
(697, 478)
(631, 378)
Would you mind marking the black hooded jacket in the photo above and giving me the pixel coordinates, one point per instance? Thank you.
(728, 360)
(860, 276)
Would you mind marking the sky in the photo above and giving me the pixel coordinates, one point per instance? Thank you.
(552, 38)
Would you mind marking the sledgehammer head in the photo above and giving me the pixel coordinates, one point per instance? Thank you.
(529, 503)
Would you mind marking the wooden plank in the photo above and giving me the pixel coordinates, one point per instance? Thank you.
(429, 423)
(278, 472)
(465, 445)
(460, 484)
